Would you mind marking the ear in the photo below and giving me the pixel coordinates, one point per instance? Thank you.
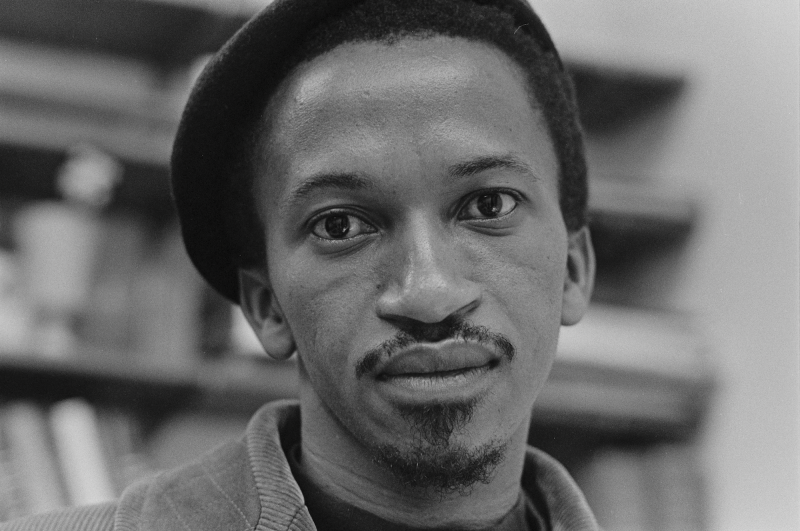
(262, 311)
(579, 277)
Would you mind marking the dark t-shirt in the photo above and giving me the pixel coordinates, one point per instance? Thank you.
(332, 514)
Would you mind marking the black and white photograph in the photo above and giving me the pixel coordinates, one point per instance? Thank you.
(399, 265)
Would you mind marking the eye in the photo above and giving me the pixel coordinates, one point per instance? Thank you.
(489, 205)
(340, 226)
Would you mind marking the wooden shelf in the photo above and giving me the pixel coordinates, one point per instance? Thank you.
(120, 381)
(52, 99)
(622, 401)
(582, 395)
(629, 218)
(162, 33)
(610, 99)
(28, 173)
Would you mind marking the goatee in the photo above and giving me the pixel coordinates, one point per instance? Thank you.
(433, 462)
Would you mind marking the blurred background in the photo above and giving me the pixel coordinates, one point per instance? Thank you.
(675, 402)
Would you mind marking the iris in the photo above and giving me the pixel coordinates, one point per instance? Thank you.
(490, 205)
(337, 226)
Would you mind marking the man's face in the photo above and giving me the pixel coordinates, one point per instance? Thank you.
(415, 244)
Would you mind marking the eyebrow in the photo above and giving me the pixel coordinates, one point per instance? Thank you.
(354, 182)
(338, 181)
(492, 162)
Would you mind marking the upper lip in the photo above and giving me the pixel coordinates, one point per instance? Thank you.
(429, 358)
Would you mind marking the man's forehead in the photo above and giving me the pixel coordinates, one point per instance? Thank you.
(437, 60)
(361, 84)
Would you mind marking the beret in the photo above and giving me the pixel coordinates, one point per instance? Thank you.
(229, 90)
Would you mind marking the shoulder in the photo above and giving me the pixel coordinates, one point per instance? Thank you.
(89, 518)
(215, 492)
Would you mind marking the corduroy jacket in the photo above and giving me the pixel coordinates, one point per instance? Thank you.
(248, 485)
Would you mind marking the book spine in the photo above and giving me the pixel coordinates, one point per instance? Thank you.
(75, 430)
(166, 306)
(32, 458)
(10, 498)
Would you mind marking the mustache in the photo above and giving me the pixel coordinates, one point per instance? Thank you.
(450, 328)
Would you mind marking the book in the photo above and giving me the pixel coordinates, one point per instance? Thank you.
(16, 316)
(32, 457)
(10, 498)
(107, 321)
(80, 453)
(167, 302)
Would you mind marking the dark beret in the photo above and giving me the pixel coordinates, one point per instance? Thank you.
(230, 89)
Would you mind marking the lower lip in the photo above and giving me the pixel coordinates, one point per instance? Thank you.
(468, 383)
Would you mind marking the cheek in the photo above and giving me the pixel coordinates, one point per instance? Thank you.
(524, 292)
(526, 274)
(323, 306)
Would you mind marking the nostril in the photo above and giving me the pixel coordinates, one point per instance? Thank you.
(431, 332)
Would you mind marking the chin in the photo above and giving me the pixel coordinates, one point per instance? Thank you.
(450, 469)
(436, 456)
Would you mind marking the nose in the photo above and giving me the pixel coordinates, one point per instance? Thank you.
(425, 277)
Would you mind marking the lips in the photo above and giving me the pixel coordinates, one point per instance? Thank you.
(449, 357)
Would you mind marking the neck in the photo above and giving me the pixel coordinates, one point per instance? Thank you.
(344, 467)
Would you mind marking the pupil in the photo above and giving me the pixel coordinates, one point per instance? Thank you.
(490, 204)
(337, 226)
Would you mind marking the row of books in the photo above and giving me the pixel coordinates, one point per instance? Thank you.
(657, 488)
(64, 454)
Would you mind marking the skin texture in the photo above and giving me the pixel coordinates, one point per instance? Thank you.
(402, 141)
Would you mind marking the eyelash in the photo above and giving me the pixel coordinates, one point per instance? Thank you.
(313, 222)
(513, 194)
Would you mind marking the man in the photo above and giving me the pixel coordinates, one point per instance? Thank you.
(396, 191)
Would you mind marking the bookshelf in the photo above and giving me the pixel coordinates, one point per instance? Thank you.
(579, 394)
(237, 386)
(116, 75)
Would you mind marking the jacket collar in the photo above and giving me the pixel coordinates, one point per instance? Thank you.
(269, 499)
